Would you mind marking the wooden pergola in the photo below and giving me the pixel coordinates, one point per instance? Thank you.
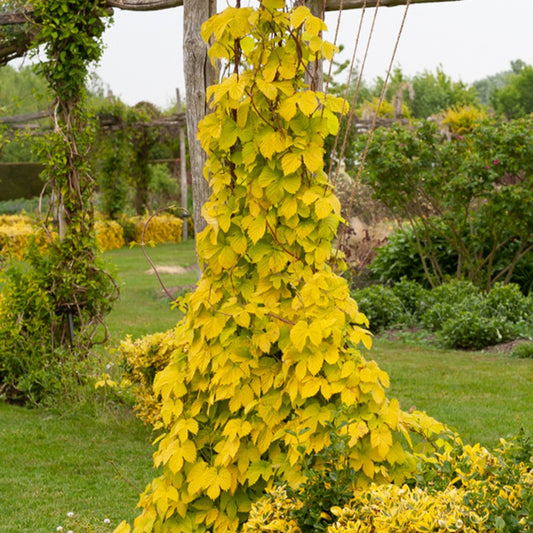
(18, 29)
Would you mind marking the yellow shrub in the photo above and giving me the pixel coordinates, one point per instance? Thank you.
(471, 491)
(158, 229)
(142, 359)
(462, 120)
(109, 235)
(16, 234)
(12, 220)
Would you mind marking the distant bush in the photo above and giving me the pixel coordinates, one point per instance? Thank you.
(23, 205)
(460, 314)
(157, 229)
(523, 351)
(141, 360)
(109, 235)
(383, 308)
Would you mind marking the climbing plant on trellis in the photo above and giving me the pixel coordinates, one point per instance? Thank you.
(265, 369)
(52, 310)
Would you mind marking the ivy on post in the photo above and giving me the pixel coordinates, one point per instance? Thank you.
(64, 292)
(265, 367)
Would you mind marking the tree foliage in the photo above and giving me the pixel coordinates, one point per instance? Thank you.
(471, 194)
(515, 100)
(62, 292)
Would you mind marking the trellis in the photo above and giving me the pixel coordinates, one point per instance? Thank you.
(195, 53)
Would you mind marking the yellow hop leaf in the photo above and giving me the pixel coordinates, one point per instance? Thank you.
(299, 334)
(257, 228)
(313, 158)
(268, 89)
(299, 16)
(322, 208)
(227, 257)
(307, 102)
(381, 439)
(273, 4)
(315, 362)
(310, 387)
(290, 163)
(123, 527)
(287, 108)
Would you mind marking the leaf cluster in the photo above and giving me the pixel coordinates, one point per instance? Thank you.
(460, 488)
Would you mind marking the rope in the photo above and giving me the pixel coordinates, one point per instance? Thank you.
(334, 40)
(350, 115)
(373, 127)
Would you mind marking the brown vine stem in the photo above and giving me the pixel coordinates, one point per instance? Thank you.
(121, 475)
(165, 290)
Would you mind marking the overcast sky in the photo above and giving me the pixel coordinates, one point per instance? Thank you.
(469, 39)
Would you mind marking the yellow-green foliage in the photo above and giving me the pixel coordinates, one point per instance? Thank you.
(273, 513)
(158, 228)
(109, 235)
(471, 490)
(15, 234)
(265, 364)
(462, 120)
(141, 359)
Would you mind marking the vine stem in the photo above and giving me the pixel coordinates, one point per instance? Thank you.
(143, 247)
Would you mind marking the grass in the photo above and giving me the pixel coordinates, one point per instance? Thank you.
(483, 396)
(143, 306)
(53, 461)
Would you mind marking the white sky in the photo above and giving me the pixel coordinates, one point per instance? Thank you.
(470, 39)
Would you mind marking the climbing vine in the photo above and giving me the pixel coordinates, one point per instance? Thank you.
(265, 366)
(74, 292)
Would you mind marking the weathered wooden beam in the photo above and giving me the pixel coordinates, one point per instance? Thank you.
(143, 5)
(9, 19)
(27, 117)
(335, 5)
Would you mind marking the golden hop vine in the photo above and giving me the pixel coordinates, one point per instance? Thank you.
(266, 362)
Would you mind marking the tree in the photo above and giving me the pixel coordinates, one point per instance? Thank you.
(57, 302)
(515, 99)
(433, 93)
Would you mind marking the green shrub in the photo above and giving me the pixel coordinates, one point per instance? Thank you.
(398, 259)
(472, 329)
(382, 307)
(462, 315)
(523, 351)
(506, 301)
(40, 336)
(413, 297)
(447, 300)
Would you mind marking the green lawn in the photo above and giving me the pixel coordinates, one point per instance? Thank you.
(483, 396)
(53, 462)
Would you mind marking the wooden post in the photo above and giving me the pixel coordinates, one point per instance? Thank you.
(199, 74)
(183, 175)
(315, 77)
